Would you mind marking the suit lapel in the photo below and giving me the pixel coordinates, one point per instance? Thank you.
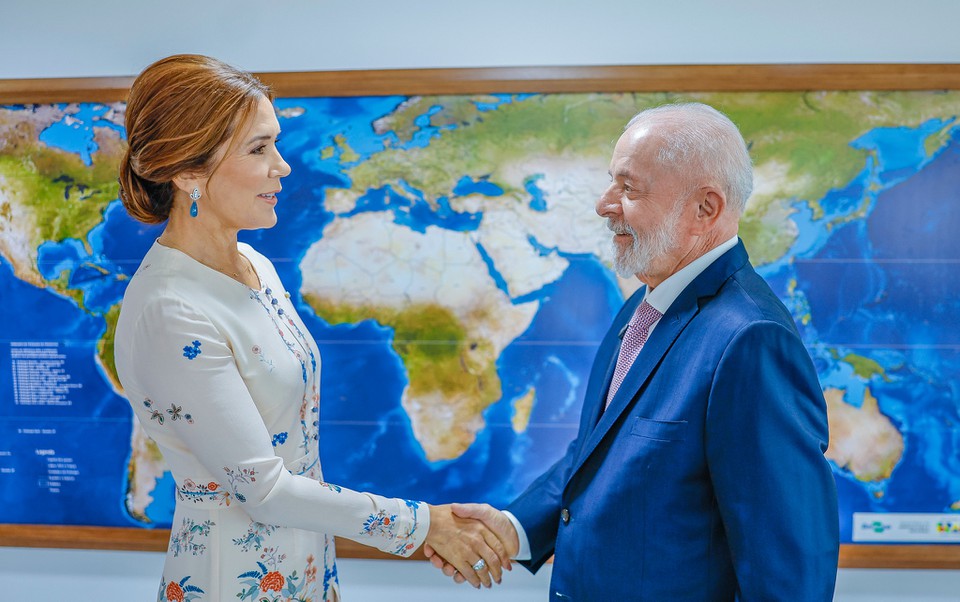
(678, 315)
(605, 365)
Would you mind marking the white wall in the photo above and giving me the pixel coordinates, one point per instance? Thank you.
(57, 38)
(78, 38)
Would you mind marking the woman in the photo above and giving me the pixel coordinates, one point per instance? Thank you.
(221, 371)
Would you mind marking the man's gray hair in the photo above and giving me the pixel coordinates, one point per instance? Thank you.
(701, 139)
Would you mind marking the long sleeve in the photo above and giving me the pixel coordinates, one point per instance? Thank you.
(538, 510)
(766, 434)
(197, 405)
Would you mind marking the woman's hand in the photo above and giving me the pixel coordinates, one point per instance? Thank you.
(468, 545)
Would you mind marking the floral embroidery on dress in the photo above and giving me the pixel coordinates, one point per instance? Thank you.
(300, 347)
(255, 535)
(331, 487)
(175, 414)
(241, 475)
(192, 351)
(406, 544)
(267, 583)
(279, 439)
(175, 411)
(187, 537)
(178, 591)
(301, 340)
(309, 418)
(380, 524)
(330, 578)
(330, 573)
(258, 351)
(155, 414)
(194, 492)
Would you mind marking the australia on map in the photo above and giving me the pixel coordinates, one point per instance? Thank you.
(445, 254)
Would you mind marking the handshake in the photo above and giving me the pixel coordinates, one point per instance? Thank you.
(471, 542)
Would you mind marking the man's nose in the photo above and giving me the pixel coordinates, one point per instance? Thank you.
(607, 204)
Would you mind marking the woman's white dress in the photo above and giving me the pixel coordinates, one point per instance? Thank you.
(226, 380)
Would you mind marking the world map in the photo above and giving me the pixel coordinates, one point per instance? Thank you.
(445, 254)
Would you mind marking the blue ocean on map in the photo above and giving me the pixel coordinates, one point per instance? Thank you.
(875, 263)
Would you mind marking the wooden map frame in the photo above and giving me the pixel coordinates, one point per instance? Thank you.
(601, 79)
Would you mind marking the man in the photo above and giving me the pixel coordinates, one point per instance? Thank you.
(698, 470)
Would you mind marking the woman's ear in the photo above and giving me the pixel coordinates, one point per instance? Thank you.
(186, 182)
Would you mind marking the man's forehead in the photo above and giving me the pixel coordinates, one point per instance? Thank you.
(634, 146)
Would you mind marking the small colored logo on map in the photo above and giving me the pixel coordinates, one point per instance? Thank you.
(877, 526)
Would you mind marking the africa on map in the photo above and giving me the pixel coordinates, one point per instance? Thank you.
(445, 254)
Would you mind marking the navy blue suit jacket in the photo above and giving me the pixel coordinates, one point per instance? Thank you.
(705, 478)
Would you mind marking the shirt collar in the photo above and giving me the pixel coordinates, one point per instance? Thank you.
(662, 297)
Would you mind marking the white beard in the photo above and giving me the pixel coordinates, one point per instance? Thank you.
(640, 256)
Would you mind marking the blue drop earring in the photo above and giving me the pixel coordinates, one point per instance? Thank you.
(194, 196)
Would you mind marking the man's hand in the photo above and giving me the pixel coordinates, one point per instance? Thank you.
(494, 520)
(465, 543)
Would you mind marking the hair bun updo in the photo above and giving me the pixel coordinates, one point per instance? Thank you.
(180, 111)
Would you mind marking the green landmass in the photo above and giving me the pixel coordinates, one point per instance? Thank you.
(865, 367)
(522, 408)
(61, 285)
(453, 111)
(67, 197)
(341, 150)
(543, 125)
(808, 132)
(347, 154)
(939, 139)
(433, 345)
(105, 345)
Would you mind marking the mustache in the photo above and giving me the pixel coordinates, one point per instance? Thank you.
(620, 227)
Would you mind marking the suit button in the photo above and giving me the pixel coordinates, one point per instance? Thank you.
(565, 516)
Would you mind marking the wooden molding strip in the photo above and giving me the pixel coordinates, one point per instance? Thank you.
(155, 540)
(885, 556)
(651, 78)
(610, 78)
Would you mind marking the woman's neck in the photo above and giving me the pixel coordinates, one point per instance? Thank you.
(214, 249)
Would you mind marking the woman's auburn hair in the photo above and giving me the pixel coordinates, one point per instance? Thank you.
(180, 111)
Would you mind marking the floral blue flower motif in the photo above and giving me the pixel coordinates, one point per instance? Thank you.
(279, 439)
(380, 524)
(329, 577)
(190, 352)
(332, 487)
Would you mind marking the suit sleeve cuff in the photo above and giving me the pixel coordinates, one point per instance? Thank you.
(524, 552)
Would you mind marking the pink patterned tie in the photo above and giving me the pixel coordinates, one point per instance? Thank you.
(633, 340)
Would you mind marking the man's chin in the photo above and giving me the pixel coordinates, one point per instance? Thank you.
(625, 271)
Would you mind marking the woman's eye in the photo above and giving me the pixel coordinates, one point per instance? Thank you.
(259, 149)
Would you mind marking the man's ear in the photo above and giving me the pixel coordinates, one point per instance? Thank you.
(711, 204)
